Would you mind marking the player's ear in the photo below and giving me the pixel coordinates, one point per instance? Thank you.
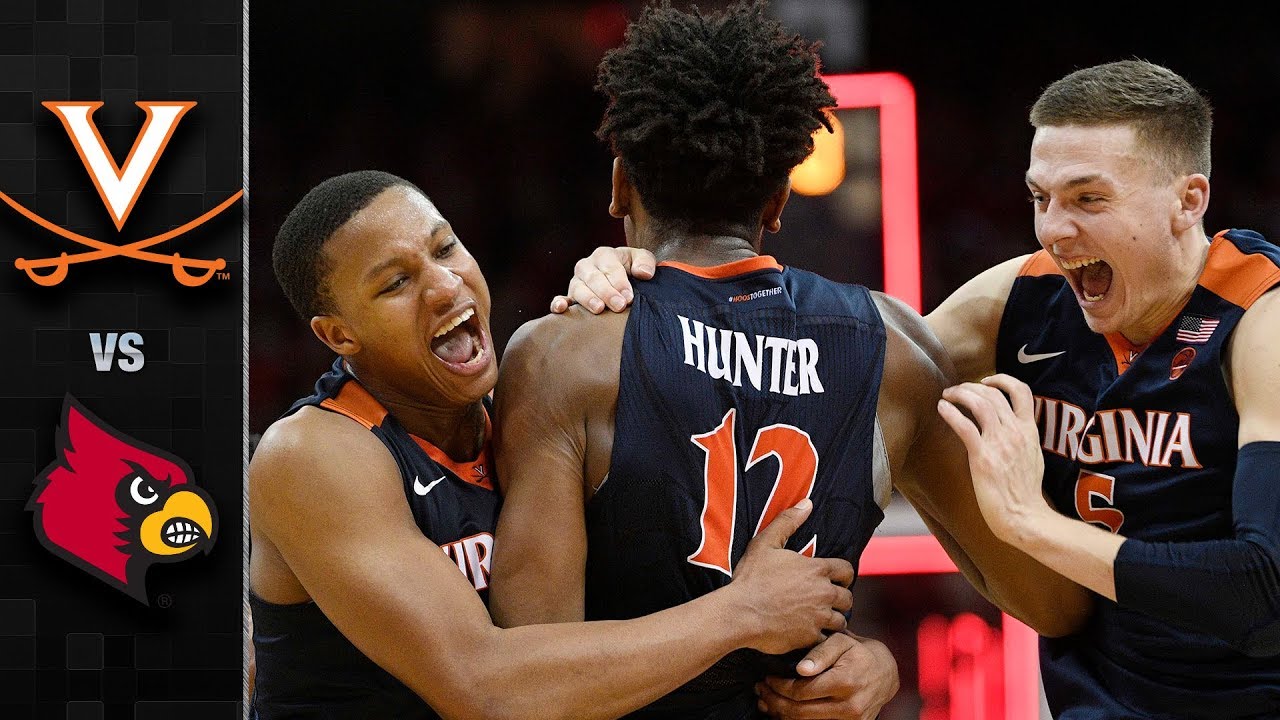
(771, 220)
(333, 332)
(1193, 201)
(620, 199)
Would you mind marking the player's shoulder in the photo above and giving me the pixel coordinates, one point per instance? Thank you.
(910, 344)
(1257, 325)
(556, 331)
(561, 352)
(308, 448)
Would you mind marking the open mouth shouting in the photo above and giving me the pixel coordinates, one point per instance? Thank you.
(1091, 277)
(462, 344)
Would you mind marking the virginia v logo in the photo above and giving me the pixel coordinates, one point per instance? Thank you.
(119, 186)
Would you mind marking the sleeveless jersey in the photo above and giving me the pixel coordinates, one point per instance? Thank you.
(306, 668)
(1142, 441)
(743, 389)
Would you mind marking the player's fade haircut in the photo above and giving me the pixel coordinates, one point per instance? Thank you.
(711, 111)
(1171, 118)
(298, 257)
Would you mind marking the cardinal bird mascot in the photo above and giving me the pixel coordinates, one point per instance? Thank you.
(113, 506)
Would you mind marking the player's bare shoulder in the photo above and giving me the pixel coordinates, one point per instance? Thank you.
(910, 338)
(561, 355)
(303, 454)
(916, 370)
(967, 323)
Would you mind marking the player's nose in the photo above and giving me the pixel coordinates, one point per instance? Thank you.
(442, 288)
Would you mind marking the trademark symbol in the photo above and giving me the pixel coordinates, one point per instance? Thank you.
(223, 276)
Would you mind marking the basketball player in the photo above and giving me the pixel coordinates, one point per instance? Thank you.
(639, 452)
(372, 507)
(1142, 363)
(1139, 357)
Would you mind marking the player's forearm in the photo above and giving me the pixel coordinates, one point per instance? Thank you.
(599, 669)
(1039, 596)
(1072, 548)
(1228, 588)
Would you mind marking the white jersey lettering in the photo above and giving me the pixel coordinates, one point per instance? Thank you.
(734, 356)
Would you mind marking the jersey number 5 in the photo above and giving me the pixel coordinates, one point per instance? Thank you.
(1090, 487)
(797, 470)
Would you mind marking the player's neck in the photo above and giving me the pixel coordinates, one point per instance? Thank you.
(1182, 283)
(459, 432)
(700, 249)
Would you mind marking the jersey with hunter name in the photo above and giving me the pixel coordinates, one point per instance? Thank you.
(306, 668)
(1141, 441)
(744, 388)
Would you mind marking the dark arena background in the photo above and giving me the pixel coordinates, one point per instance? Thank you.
(490, 109)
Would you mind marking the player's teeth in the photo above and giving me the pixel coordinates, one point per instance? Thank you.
(1094, 298)
(465, 316)
(1076, 264)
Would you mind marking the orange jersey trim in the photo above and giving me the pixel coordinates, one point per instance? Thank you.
(1124, 351)
(1237, 277)
(727, 270)
(478, 471)
(356, 403)
(1038, 265)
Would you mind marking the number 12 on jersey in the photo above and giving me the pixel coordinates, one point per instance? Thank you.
(797, 470)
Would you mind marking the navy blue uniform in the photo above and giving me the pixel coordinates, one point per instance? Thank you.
(743, 389)
(306, 668)
(1142, 441)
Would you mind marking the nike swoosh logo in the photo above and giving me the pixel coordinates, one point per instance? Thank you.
(421, 489)
(1024, 358)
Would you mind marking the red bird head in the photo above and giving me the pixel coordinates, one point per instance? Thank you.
(114, 506)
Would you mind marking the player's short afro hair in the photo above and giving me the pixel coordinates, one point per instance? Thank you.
(711, 111)
(297, 255)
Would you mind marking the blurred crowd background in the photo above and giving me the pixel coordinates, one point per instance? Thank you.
(490, 108)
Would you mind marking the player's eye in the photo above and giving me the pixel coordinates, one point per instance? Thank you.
(142, 492)
(447, 248)
(395, 284)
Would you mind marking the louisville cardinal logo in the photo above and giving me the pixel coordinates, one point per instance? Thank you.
(113, 506)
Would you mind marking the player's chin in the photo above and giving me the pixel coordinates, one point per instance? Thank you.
(1103, 315)
(470, 388)
(458, 389)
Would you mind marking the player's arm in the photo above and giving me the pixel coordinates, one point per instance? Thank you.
(554, 373)
(330, 500)
(1229, 588)
(968, 321)
(931, 472)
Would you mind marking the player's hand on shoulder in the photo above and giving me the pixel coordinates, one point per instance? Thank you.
(603, 279)
(846, 677)
(789, 599)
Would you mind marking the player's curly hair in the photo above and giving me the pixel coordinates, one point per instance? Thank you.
(297, 256)
(710, 112)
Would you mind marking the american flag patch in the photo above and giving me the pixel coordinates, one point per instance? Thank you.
(1195, 329)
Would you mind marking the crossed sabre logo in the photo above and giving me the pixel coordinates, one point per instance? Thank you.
(119, 187)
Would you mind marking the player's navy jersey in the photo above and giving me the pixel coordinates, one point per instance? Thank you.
(743, 389)
(306, 668)
(1142, 441)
